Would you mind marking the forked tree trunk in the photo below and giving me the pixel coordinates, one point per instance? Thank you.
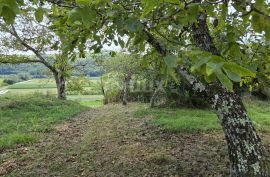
(126, 84)
(60, 81)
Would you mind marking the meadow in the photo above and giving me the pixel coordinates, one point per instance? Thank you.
(43, 133)
(47, 86)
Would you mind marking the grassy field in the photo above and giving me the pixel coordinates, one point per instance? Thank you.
(22, 117)
(34, 84)
(110, 141)
(48, 86)
(195, 120)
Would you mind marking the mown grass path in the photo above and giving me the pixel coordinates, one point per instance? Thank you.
(110, 141)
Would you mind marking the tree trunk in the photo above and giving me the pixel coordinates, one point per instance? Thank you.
(244, 145)
(105, 99)
(126, 89)
(156, 90)
(61, 85)
(245, 150)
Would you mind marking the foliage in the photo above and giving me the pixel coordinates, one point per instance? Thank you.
(12, 80)
(75, 84)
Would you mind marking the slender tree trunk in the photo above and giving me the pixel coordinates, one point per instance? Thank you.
(61, 85)
(156, 91)
(126, 89)
(105, 99)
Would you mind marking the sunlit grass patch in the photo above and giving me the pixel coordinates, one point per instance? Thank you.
(92, 104)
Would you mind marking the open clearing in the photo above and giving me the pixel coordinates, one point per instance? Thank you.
(114, 140)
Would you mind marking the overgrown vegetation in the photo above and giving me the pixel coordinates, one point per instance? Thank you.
(24, 117)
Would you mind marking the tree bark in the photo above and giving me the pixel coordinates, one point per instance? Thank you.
(244, 145)
(156, 90)
(60, 81)
(245, 150)
(126, 89)
(105, 99)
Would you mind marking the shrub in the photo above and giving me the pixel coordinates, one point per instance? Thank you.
(11, 80)
(24, 76)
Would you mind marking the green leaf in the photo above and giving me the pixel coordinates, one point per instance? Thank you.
(225, 81)
(83, 2)
(200, 63)
(233, 76)
(241, 71)
(39, 14)
(257, 22)
(133, 25)
(121, 42)
(87, 15)
(74, 16)
(210, 78)
(171, 61)
(149, 5)
(259, 4)
(8, 10)
(267, 29)
(211, 67)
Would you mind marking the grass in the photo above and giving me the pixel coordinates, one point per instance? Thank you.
(1, 82)
(92, 101)
(92, 104)
(34, 84)
(111, 142)
(194, 120)
(22, 117)
(48, 86)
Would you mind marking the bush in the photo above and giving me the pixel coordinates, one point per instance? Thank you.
(11, 80)
(24, 77)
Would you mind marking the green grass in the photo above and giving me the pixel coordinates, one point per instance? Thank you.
(1, 82)
(48, 86)
(92, 104)
(23, 117)
(195, 120)
(34, 84)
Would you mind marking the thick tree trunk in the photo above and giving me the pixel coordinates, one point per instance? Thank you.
(244, 145)
(60, 81)
(126, 89)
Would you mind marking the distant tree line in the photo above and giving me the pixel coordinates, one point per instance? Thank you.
(36, 70)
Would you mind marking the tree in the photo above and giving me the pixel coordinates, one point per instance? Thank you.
(208, 37)
(32, 34)
(123, 66)
(213, 72)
